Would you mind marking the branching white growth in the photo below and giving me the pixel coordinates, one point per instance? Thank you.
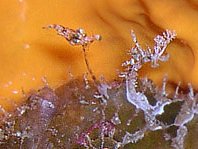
(103, 87)
(188, 109)
(74, 37)
(161, 42)
(139, 57)
(79, 37)
(178, 141)
(133, 138)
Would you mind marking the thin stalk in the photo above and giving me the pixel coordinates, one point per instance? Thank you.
(96, 83)
(88, 67)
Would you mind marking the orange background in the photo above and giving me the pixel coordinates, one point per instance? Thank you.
(28, 53)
